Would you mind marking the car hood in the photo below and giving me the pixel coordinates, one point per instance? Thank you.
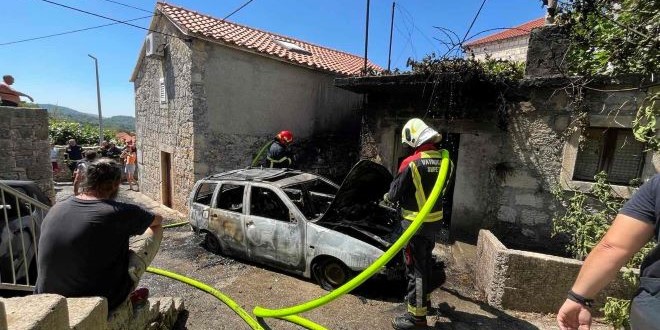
(366, 183)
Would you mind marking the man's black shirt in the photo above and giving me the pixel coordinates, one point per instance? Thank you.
(83, 249)
(74, 152)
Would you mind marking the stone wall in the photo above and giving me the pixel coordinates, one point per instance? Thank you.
(166, 129)
(24, 154)
(514, 49)
(531, 282)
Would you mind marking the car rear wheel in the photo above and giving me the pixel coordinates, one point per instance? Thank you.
(212, 243)
(330, 273)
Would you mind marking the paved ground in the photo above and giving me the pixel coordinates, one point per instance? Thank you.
(371, 307)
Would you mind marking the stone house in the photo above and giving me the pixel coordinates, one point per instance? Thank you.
(210, 93)
(510, 44)
(511, 152)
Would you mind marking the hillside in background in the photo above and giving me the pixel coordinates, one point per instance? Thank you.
(122, 123)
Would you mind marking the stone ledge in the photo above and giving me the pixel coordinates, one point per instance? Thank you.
(88, 313)
(37, 312)
(528, 281)
(54, 312)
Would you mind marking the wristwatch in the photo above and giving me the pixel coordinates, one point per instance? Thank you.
(580, 299)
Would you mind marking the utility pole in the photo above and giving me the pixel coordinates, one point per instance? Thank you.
(366, 40)
(98, 98)
(389, 53)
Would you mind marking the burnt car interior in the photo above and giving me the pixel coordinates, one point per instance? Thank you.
(312, 197)
(230, 198)
(205, 193)
(265, 203)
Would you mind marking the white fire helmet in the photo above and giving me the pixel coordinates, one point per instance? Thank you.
(415, 133)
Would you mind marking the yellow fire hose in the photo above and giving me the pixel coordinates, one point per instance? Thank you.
(289, 313)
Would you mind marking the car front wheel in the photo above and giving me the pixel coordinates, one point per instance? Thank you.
(331, 273)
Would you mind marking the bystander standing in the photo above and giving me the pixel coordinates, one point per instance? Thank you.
(53, 158)
(130, 159)
(72, 155)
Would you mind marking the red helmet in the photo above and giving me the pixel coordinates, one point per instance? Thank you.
(285, 137)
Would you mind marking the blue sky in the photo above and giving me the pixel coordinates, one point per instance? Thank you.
(57, 70)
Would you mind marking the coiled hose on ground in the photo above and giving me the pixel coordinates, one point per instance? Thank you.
(290, 313)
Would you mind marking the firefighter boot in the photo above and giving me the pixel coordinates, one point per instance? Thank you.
(408, 321)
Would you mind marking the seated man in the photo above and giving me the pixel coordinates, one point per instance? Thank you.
(84, 244)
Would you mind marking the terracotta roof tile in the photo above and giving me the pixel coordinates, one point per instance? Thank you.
(263, 42)
(518, 31)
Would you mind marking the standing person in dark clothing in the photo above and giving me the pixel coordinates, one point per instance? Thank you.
(84, 244)
(104, 150)
(415, 180)
(113, 151)
(72, 155)
(638, 222)
(279, 155)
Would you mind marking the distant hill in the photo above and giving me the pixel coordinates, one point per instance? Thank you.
(123, 123)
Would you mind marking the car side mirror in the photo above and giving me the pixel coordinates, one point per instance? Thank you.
(292, 217)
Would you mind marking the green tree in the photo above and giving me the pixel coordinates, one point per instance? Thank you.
(60, 131)
(612, 37)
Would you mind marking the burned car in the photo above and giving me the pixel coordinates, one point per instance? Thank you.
(299, 222)
(20, 224)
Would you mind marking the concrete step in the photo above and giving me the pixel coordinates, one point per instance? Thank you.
(37, 312)
(88, 313)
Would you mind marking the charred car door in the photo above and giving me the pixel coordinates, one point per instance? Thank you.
(227, 218)
(274, 229)
(200, 203)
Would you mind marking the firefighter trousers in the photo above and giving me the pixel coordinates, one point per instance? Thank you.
(419, 264)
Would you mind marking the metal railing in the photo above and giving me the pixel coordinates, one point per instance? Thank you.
(20, 226)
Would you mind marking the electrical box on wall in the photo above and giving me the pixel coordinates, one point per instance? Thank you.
(153, 45)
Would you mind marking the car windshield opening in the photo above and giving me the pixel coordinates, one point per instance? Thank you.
(312, 197)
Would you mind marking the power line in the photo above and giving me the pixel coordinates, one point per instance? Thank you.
(111, 19)
(473, 20)
(129, 6)
(237, 9)
(495, 29)
(72, 31)
(412, 21)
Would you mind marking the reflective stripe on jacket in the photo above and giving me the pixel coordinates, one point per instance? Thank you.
(414, 183)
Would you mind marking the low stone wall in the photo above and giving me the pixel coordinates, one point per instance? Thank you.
(24, 152)
(51, 311)
(530, 282)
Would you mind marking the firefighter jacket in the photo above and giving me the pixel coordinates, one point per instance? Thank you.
(278, 156)
(415, 180)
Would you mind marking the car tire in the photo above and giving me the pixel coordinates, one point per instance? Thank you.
(212, 243)
(330, 273)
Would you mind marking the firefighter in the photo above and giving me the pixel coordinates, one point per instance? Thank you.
(412, 184)
(278, 154)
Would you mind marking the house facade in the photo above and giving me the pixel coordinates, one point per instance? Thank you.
(210, 93)
(510, 44)
(511, 152)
